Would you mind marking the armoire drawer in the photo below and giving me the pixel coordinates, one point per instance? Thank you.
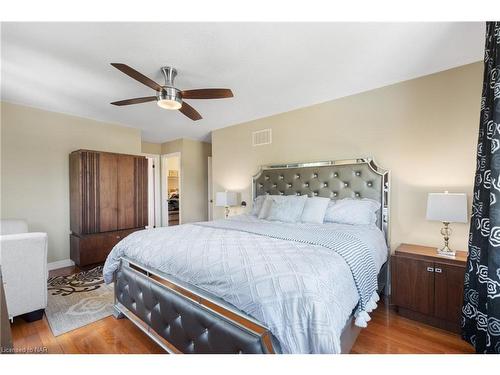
(94, 248)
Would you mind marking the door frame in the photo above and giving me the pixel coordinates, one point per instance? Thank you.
(164, 187)
(154, 193)
(210, 213)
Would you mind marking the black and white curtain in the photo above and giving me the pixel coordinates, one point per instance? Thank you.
(481, 307)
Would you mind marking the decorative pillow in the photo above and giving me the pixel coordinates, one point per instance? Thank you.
(352, 211)
(257, 205)
(330, 212)
(314, 210)
(266, 207)
(286, 208)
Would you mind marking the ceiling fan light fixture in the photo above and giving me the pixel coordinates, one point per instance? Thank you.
(169, 98)
(169, 104)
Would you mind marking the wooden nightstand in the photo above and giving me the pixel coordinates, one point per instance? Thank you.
(428, 287)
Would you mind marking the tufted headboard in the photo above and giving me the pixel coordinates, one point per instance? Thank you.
(353, 178)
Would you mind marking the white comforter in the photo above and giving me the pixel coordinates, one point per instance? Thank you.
(303, 293)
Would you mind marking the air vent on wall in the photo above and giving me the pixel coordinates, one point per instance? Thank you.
(261, 137)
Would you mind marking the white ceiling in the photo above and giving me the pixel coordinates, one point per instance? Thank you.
(271, 67)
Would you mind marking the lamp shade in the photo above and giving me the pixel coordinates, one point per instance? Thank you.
(447, 207)
(226, 199)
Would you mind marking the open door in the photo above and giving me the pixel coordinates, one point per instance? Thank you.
(171, 191)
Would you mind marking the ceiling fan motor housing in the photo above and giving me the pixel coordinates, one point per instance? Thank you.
(169, 74)
(169, 97)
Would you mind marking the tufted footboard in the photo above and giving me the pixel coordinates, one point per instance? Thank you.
(181, 320)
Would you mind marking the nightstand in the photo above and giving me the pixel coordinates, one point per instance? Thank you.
(428, 287)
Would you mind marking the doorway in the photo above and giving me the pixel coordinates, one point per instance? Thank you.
(209, 189)
(171, 191)
(154, 205)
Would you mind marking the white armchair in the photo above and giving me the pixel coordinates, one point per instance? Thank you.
(23, 258)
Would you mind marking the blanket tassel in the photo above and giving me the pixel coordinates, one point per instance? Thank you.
(362, 318)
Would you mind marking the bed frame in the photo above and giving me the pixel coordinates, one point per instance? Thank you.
(182, 318)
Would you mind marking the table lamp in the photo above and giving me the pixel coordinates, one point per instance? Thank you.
(447, 208)
(226, 199)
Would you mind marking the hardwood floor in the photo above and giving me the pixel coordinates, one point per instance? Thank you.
(104, 336)
(390, 333)
(386, 333)
(108, 335)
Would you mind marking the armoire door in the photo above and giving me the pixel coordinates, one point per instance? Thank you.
(126, 192)
(108, 192)
(86, 175)
(141, 191)
(413, 284)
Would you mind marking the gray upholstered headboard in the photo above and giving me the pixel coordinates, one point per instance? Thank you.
(353, 178)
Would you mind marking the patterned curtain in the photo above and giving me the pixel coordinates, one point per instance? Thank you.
(481, 307)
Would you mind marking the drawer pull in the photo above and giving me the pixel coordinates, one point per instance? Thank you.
(430, 269)
(118, 237)
(439, 270)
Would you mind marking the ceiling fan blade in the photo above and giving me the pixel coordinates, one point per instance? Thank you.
(190, 112)
(207, 94)
(137, 76)
(135, 100)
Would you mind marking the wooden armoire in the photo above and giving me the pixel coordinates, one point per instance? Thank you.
(108, 201)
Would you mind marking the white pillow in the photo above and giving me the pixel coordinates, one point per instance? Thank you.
(352, 211)
(266, 207)
(257, 205)
(329, 214)
(314, 210)
(286, 208)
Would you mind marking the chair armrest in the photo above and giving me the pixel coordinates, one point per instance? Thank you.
(24, 270)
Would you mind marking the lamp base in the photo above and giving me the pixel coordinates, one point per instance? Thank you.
(446, 232)
(447, 252)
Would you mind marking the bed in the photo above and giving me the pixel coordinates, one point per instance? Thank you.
(245, 285)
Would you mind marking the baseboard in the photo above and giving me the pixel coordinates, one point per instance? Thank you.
(60, 264)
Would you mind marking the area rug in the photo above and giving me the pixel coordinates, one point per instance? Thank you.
(77, 300)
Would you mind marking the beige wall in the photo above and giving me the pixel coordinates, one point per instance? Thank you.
(423, 130)
(194, 183)
(194, 174)
(34, 160)
(151, 148)
(171, 146)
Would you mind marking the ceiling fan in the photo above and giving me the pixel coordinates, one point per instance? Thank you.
(168, 96)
